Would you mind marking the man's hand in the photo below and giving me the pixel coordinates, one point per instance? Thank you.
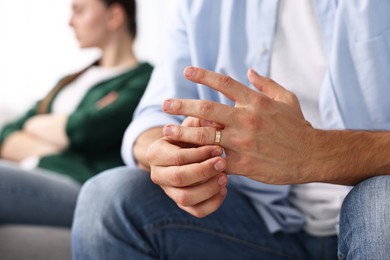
(192, 176)
(265, 136)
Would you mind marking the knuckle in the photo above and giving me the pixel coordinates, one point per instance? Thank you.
(290, 94)
(205, 171)
(252, 122)
(264, 102)
(154, 177)
(201, 136)
(243, 142)
(176, 178)
(205, 107)
(235, 140)
(240, 141)
(182, 198)
(293, 99)
(177, 159)
(179, 133)
(151, 155)
(178, 106)
(225, 81)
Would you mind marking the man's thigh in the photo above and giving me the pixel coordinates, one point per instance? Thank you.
(129, 209)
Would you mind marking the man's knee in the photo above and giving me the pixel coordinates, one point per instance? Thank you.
(104, 211)
(370, 197)
(115, 186)
(364, 218)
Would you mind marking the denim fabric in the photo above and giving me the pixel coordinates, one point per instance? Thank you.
(121, 214)
(364, 221)
(229, 36)
(36, 197)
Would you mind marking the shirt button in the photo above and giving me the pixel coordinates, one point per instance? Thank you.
(263, 51)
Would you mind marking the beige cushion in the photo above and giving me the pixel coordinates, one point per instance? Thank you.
(34, 242)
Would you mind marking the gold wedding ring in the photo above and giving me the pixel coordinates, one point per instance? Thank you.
(218, 136)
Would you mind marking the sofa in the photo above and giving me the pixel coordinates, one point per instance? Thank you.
(21, 242)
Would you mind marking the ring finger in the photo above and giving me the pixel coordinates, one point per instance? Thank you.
(195, 135)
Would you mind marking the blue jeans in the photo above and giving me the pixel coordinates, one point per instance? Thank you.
(36, 197)
(365, 221)
(121, 214)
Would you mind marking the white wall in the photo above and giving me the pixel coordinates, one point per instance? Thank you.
(37, 47)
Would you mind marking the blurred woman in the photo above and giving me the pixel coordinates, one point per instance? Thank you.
(76, 130)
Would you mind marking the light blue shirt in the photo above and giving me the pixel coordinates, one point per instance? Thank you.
(231, 36)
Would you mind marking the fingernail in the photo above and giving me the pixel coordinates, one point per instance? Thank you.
(223, 192)
(167, 105)
(219, 166)
(189, 72)
(216, 152)
(222, 180)
(168, 130)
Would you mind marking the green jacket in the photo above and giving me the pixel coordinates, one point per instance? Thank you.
(95, 134)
